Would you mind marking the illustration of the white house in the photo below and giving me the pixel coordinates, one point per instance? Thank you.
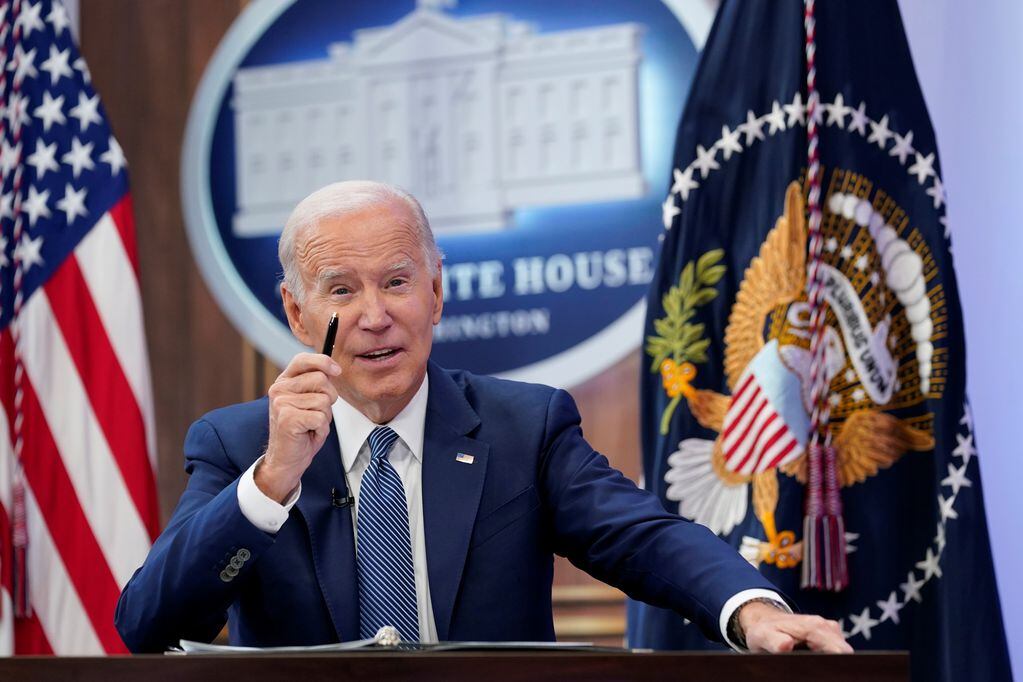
(476, 116)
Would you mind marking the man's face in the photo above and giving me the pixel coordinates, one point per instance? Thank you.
(370, 268)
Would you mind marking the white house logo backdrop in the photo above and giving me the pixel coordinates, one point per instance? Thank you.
(535, 133)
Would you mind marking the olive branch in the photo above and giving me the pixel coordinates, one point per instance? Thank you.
(678, 339)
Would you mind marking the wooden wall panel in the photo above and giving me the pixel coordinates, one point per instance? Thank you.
(147, 57)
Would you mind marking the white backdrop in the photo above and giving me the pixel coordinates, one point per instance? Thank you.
(969, 58)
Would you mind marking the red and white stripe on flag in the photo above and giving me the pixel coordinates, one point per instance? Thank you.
(756, 435)
(74, 374)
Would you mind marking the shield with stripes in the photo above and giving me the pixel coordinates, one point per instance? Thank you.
(766, 424)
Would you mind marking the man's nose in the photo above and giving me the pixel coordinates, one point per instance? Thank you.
(374, 315)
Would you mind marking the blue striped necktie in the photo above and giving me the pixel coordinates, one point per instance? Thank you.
(387, 581)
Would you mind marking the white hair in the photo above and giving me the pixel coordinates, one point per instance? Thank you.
(344, 198)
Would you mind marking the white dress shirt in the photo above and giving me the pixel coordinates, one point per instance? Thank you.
(353, 429)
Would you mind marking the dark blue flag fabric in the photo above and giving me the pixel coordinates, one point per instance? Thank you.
(726, 404)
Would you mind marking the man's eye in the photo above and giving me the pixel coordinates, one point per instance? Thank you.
(340, 291)
(397, 282)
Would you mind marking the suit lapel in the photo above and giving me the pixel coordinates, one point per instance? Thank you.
(331, 537)
(451, 490)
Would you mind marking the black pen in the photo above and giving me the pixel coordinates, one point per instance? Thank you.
(328, 350)
(328, 343)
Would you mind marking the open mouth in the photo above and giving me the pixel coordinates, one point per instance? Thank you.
(380, 354)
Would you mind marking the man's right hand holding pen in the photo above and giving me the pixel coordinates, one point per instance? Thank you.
(300, 417)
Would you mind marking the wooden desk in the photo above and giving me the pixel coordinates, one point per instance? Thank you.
(477, 665)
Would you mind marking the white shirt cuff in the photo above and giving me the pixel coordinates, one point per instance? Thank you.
(739, 600)
(262, 512)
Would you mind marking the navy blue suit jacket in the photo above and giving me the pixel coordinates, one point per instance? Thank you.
(535, 488)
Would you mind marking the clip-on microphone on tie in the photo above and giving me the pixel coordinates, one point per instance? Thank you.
(337, 500)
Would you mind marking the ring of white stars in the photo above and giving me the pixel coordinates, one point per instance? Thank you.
(921, 168)
(784, 116)
(928, 568)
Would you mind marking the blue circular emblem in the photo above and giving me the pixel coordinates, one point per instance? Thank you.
(537, 136)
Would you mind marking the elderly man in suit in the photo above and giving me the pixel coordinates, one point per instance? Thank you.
(372, 487)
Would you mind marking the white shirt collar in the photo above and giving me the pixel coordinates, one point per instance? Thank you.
(353, 427)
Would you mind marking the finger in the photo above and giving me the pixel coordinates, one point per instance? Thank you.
(323, 432)
(297, 420)
(308, 382)
(310, 362)
(800, 626)
(306, 401)
(768, 639)
(827, 641)
(819, 633)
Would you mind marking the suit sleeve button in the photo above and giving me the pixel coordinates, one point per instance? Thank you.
(225, 576)
(243, 554)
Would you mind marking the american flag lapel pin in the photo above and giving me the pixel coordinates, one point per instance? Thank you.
(464, 458)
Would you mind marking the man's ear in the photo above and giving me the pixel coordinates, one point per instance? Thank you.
(293, 309)
(438, 295)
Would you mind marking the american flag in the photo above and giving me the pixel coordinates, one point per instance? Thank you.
(78, 505)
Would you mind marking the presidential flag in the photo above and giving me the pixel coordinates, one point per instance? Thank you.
(734, 349)
(78, 505)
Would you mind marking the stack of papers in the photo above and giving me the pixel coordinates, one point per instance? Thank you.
(190, 647)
